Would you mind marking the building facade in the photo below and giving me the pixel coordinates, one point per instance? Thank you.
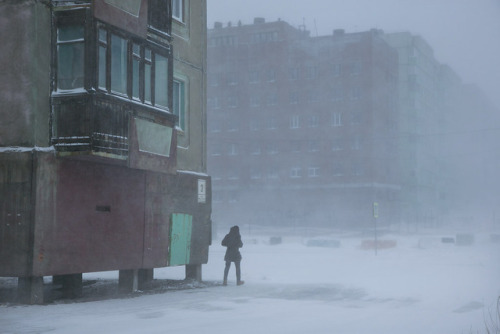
(301, 128)
(95, 170)
(421, 118)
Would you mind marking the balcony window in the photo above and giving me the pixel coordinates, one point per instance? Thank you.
(136, 64)
(133, 69)
(147, 75)
(103, 46)
(70, 57)
(161, 81)
(118, 64)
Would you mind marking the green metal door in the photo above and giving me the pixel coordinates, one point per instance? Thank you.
(180, 239)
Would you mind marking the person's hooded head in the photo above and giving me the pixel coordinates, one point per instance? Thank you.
(234, 230)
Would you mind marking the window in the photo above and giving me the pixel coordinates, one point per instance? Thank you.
(295, 172)
(161, 80)
(70, 57)
(130, 69)
(338, 170)
(337, 119)
(272, 174)
(311, 97)
(103, 46)
(232, 79)
(313, 172)
(293, 73)
(179, 103)
(255, 174)
(296, 146)
(232, 101)
(313, 121)
(355, 93)
(233, 149)
(294, 122)
(253, 76)
(310, 72)
(357, 169)
(356, 143)
(313, 146)
(271, 149)
(337, 94)
(215, 126)
(136, 60)
(214, 79)
(118, 65)
(272, 123)
(272, 99)
(271, 76)
(178, 10)
(337, 144)
(356, 117)
(232, 124)
(255, 149)
(213, 102)
(265, 37)
(216, 150)
(158, 15)
(254, 101)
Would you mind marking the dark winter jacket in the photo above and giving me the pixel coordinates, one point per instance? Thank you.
(233, 242)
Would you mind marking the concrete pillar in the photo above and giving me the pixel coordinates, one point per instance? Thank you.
(128, 280)
(71, 285)
(30, 290)
(193, 272)
(145, 277)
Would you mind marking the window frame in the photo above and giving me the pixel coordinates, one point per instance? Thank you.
(181, 97)
(178, 4)
(69, 18)
(146, 58)
(337, 119)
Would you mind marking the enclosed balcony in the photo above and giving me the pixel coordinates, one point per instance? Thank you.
(111, 91)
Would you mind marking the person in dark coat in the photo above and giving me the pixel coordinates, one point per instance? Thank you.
(233, 242)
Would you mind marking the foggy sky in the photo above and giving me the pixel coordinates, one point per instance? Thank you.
(464, 34)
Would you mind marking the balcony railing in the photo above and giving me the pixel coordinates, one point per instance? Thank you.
(97, 124)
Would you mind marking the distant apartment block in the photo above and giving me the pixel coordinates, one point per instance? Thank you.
(302, 129)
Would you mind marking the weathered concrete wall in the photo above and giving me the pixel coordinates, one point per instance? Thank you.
(24, 73)
(15, 213)
(89, 217)
(190, 51)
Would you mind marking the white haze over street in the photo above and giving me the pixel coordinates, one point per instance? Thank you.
(464, 34)
(420, 286)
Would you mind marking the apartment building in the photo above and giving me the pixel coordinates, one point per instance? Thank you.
(102, 141)
(302, 129)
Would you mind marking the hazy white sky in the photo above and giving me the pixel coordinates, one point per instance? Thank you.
(464, 34)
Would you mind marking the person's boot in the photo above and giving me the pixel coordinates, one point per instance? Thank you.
(224, 282)
(240, 283)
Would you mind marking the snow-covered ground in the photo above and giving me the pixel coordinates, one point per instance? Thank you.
(421, 285)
